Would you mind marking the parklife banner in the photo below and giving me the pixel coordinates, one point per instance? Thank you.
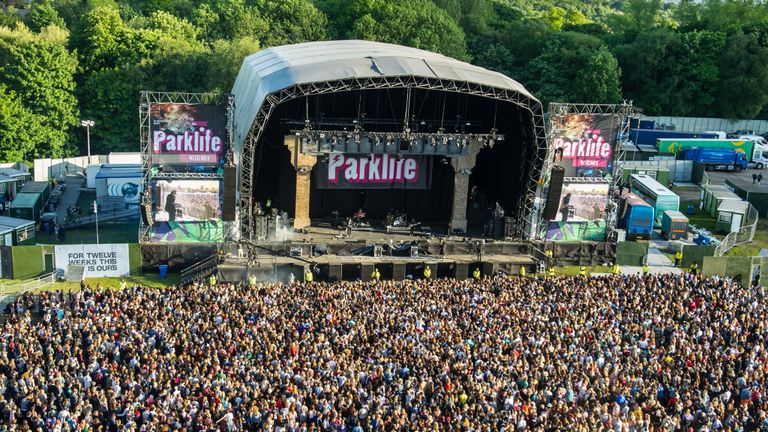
(584, 143)
(374, 172)
(100, 260)
(187, 134)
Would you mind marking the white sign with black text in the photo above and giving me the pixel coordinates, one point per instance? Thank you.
(102, 260)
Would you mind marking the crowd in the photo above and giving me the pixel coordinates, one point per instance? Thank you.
(618, 353)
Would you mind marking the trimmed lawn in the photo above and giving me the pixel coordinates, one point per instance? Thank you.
(752, 248)
(153, 281)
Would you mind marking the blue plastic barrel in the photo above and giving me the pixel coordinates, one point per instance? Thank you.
(690, 209)
(163, 270)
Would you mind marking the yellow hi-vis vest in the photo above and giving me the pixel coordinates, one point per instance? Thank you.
(522, 271)
(308, 276)
(616, 269)
(252, 280)
(212, 280)
(582, 271)
(427, 272)
(476, 273)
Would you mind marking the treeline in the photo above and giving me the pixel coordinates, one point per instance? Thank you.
(64, 60)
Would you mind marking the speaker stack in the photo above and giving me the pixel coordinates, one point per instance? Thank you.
(228, 206)
(555, 190)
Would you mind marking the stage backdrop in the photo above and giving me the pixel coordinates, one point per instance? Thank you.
(186, 134)
(584, 143)
(102, 260)
(347, 171)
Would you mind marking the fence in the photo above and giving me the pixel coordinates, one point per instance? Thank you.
(703, 124)
(40, 282)
(680, 171)
(200, 270)
(744, 234)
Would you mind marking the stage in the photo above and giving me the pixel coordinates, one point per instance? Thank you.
(332, 256)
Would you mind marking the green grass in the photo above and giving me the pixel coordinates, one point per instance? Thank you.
(752, 248)
(153, 281)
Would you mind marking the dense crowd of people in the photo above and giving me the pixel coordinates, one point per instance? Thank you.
(619, 353)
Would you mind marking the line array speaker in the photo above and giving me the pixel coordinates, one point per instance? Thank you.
(146, 215)
(555, 190)
(228, 206)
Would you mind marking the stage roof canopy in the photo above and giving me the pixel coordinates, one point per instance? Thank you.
(274, 69)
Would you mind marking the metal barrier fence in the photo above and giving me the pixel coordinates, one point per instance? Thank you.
(200, 269)
(40, 282)
(744, 234)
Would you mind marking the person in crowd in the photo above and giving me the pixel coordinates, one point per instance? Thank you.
(631, 353)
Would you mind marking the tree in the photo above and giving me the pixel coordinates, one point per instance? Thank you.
(292, 21)
(40, 71)
(575, 68)
(416, 23)
(41, 15)
(743, 89)
(20, 129)
(225, 60)
(600, 80)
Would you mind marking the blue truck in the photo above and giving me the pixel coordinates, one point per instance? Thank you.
(636, 217)
(717, 158)
(649, 136)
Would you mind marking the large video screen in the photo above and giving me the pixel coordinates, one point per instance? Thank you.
(584, 143)
(187, 200)
(187, 134)
(583, 202)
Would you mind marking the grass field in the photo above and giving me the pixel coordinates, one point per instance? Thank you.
(109, 283)
(753, 248)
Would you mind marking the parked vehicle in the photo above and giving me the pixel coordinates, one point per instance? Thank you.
(636, 217)
(649, 136)
(718, 158)
(754, 149)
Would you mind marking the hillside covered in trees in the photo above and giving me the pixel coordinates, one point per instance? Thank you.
(64, 60)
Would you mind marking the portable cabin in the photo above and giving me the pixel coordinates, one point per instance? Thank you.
(41, 187)
(714, 195)
(731, 215)
(26, 206)
(674, 225)
(22, 231)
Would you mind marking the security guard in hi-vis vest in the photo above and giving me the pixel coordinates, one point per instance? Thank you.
(582, 271)
(252, 280)
(212, 280)
(375, 275)
(522, 271)
(427, 272)
(551, 271)
(308, 276)
(615, 269)
(646, 269)
(476, 273)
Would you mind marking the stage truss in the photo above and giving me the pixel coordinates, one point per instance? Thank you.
(624, 112)
(148, 98)
(525, 222)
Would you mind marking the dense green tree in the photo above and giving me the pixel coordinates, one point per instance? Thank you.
(743, 89)
(225, 60)
(20, 129)
(41, 15)
(292, 21)
(40, 70)
(575, 68)
(417, 23)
